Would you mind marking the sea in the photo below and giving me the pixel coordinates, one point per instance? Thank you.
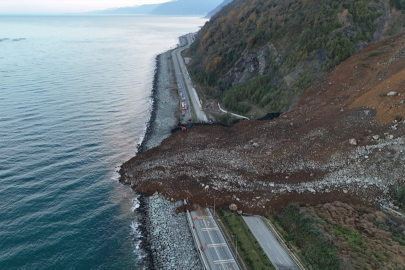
(75, 100)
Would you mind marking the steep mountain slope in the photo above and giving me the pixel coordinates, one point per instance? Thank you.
(344, 140)
(186, 7)
(218, 8)
(171, 8)
(259, 56)
(143, 9)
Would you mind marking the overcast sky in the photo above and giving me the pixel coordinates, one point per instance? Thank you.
(62, 6)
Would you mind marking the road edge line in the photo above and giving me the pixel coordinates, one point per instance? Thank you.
(282, 241)
(226, 236)
(205, 264)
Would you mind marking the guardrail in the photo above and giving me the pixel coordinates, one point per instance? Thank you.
(282, 241)
(234, 114)
(197, 243)
(226, 236)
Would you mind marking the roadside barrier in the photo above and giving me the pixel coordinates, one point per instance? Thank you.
(282, 241)
(197, 242)
(227, 242)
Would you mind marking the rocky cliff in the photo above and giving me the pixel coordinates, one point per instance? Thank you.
(292, 44)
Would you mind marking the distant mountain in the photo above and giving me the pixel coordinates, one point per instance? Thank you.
(215, 10)
(186, 7)
(143, 9)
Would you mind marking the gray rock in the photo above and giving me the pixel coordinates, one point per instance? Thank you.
(353, 141)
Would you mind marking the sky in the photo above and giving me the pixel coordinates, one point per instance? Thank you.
(63, 6)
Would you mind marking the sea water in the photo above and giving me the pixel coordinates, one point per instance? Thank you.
(74, 103)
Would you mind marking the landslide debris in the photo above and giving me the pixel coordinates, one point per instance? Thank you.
(304, 156)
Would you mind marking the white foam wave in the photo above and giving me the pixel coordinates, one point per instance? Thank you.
(116, 174)
(135, 204)
(134, 226)
(137, 242)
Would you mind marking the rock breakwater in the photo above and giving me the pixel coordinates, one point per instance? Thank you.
(169, 239)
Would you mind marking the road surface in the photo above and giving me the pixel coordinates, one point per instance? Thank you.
(278, 256)
(186, 87)
(215, 247)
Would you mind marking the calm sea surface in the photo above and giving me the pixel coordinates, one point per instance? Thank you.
(74, 102)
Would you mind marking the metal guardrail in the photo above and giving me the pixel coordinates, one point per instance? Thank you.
(226, 239)
(234, 114)
(282, 241)
(197, 243)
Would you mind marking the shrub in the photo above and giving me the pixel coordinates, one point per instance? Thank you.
(227, 119)
(299, 226)
(399, 195)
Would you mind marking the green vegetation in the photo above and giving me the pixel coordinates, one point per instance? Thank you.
(248, 247)
(302, 229)
(227, 119)
(399, 194)
(352, 237)
(297, 29)
(326, 244)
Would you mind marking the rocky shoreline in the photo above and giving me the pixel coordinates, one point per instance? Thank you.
(165, 104)
(170, 241)
(165, 236)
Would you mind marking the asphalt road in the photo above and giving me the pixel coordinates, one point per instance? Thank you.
(270, 244)
(184, 82)
(215, 247)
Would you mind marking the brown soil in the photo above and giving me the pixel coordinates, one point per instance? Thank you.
(304, 156)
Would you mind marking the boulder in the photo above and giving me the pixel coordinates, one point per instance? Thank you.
(233, 207)
(353, 141)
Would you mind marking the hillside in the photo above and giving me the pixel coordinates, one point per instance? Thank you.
(142, 9)
(338, 154)
(171, 8)
(344, 140)
(259, 56)
(186, 7)
(218, 8)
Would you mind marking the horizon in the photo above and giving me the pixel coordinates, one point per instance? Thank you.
(60, 7)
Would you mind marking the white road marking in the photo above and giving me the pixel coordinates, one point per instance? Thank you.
(216, 244)
(231, 260)
(287, 261)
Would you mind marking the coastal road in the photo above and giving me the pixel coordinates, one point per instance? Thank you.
(215, 247)
(278, 256)
(184, 82)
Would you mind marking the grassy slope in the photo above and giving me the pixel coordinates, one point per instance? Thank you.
(347, 239)
(297, 29)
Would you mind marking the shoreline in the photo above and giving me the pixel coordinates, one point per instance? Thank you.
(156, 212)
(165, 104)
(148, 132)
